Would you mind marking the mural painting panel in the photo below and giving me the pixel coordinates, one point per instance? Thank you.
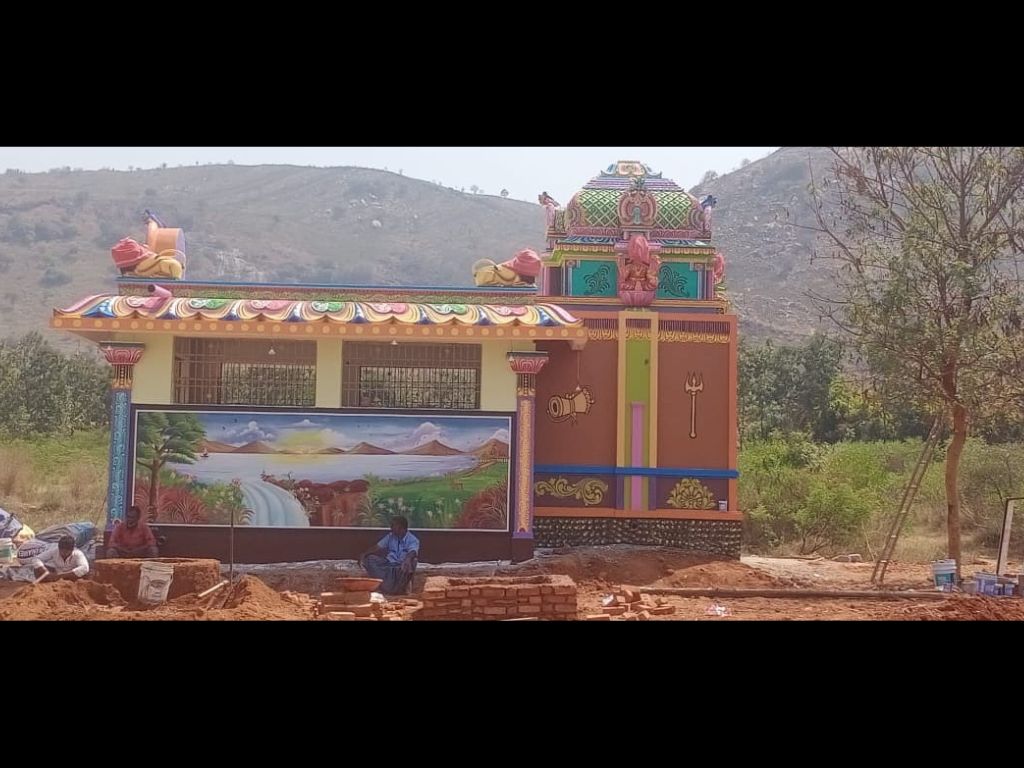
(338, 470)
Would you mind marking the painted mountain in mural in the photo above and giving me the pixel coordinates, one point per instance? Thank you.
(365, 449)
(433, 448)
(256, 446)
(331, 451)
(492, 449)
(213, 446)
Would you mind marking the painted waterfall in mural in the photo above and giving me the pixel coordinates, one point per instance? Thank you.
(347, 470)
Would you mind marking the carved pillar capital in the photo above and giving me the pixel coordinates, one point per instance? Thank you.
(527, 365)
(123, 357)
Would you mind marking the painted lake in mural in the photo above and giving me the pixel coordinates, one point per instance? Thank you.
(328, 470)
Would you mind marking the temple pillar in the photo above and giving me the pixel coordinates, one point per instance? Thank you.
(526, 366)
(122, 357)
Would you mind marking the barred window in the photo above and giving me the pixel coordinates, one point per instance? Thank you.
(411, 375)
(244, 372)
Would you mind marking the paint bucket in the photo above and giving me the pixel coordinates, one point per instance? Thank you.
(944, 572)
(986, 583)
(6, 550)
(723, 506)
(155, 582)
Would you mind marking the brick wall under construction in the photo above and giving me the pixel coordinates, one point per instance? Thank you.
(498, 598)
(716, 537)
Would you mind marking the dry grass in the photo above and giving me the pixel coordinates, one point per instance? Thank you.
(15, 473)
(55, 480)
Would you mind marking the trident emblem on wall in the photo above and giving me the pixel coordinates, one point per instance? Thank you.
(694, 386)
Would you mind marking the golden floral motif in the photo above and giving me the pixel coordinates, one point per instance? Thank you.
(691, 494)
(689, 337)
(590, 490)
(524, 496)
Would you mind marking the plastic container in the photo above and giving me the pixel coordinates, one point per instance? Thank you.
(155, 582)
(6, 550)
(943, 572)
(986, 583)
(723, 506)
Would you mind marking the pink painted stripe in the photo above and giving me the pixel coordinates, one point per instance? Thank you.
(637, 455)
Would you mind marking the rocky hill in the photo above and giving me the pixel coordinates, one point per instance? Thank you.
(355, 225)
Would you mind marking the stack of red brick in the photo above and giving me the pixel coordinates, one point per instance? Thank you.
(499, 598)
(352, 603)
(632, 605)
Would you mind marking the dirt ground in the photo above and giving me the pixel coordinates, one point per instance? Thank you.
(288, 592)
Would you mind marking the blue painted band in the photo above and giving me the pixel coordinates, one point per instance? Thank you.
(580, 469)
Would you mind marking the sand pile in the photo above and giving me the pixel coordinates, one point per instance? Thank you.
(612, 566)
(965, 608)
(62, 600)
(249, 600)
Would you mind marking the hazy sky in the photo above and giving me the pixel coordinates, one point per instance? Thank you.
(523, 171)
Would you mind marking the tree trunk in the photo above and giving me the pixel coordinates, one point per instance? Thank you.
(154, 489)
(953, 454)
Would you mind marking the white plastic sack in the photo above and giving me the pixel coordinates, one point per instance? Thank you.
(32, 549)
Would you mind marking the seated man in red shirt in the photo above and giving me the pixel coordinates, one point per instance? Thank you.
(132, 538)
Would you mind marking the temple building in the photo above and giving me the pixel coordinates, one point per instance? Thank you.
(582, 396)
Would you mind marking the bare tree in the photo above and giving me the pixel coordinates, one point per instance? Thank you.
(927, 243)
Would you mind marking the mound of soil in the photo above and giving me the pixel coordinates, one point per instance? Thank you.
(966, 608)
(249, 600)
(710, 573)
(61, 599)
(651, 566)
(190, 576)
(252, 599)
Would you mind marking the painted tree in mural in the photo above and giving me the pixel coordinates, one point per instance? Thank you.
(927, 243)
(163, 438)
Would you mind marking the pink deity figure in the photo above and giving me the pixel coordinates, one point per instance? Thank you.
(550, 206)
(718, 267)
(639, 270)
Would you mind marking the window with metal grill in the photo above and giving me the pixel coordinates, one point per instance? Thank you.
(410, 375)
(244, 372)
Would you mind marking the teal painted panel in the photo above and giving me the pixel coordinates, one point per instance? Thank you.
(594, 278)
(678, 280)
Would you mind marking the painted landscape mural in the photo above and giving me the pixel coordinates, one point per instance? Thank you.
(332, 470)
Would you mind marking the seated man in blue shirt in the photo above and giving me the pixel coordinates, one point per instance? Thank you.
(393, 559)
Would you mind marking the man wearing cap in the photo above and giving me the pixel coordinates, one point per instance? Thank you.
(64, 562)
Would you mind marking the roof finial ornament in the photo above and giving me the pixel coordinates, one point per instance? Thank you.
(707, 203)
(550, 206)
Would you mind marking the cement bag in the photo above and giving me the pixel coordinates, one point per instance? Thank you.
(32, 549)
(82, 533)
(10, 526)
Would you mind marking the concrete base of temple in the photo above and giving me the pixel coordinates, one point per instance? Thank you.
(522, 549)
(717, 537)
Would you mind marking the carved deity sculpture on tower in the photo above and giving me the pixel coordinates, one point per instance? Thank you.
(638, 270)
